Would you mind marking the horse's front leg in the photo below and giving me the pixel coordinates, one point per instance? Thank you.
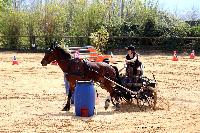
(114, 98)
(67, 106)
(117, 99)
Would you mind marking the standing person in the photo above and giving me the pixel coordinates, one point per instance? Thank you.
(77, 54)
(66, 84)
(67, 87)
(133, 65)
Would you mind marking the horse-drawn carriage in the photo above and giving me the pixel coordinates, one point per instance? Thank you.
(143, 91)
(77, 69)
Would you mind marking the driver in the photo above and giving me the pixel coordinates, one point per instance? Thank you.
(133, 69)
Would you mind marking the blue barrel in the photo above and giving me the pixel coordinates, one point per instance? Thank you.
(84, 98)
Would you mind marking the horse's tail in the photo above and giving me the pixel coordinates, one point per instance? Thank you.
(117, 78)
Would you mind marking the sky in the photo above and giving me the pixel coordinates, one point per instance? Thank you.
(182, 8)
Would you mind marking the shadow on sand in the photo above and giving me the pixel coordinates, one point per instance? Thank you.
(124, 108)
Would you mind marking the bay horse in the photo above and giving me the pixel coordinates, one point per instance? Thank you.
(79, 69)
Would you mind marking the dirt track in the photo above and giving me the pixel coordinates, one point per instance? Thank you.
(32, 96)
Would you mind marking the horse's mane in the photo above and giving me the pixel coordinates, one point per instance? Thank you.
(66, 54)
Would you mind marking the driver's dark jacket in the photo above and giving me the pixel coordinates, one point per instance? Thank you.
(134, 65)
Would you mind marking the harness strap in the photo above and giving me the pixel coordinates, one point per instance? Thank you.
(125, 88)
(88, 68)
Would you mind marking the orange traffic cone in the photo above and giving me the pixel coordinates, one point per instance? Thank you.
(192, 55)
(175, 58)
(14, 61)
(54, 62)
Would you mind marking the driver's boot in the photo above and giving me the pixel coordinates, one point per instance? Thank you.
(130, 76)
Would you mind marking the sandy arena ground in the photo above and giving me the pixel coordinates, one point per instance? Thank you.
(32, 97)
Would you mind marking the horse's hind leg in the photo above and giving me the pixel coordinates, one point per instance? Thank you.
(67, 106)
(107, 103)
(117, 99)
(116, 104)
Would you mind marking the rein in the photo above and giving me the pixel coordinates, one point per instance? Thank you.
(88, 68)
(134, 93)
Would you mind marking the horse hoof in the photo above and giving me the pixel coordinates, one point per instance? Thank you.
(105, 108)
(106, 104)
(117, 109)
(65, 108)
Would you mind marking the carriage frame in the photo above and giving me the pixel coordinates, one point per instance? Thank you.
(144, 92)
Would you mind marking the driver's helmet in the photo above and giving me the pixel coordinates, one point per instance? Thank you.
(131, 47)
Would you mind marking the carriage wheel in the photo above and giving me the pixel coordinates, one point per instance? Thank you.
(152, 99)
(140, 102)
(121, 98)
(114, 101)
(128, 100)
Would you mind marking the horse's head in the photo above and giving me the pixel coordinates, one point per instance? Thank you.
(54, 52)
(49, 55)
